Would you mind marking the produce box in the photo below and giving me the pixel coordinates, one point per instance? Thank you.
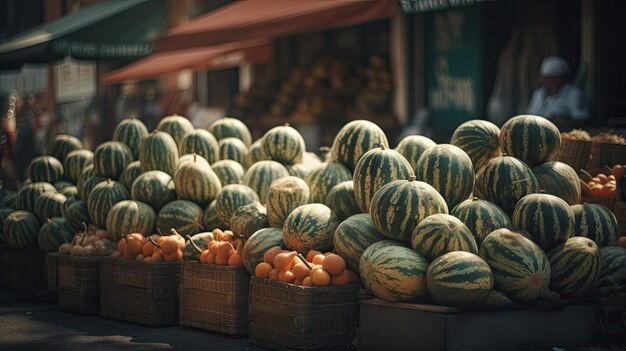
(79, 284)
(619, 209)
(23, 269)
(214, 297)
(139, 292)
(402, 326)
(52, 260)
(291, 317)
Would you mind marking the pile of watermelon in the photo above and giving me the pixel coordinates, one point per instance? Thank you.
(488, 218)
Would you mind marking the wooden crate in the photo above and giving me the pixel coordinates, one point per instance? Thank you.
(139, 292)
(52, 260)
(402, 326)
(290, 317)
(23, 270)
(214, 297)
(79, 284)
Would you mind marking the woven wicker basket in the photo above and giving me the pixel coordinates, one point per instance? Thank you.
(600, 155)
(23, 269)
(52, 260)
(78, 280)
(574, 152)
(619, 209)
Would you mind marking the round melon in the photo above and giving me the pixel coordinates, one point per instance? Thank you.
(398, 207)
(131, 131)
(254, 155)
(49, 205)
(232, 149)
(441, 233)
(130, 216)
(559, 179)
(479, 139)
(613, 267)
(548, 219)
(532, 139)
(310, 227)
(200, 142)
(393, 273)
(412, 147)
(8, 201)
(155, 188)
(355, 139)
(54, 233)
(481, 217)
(324, 177)
(182, 215)
(21, 229)
(449, 170)
(102, 198)
(85, 180)
(4, 213)
(595, 222)
(210, 219)
(191, 158)
(299, 170)
(196, 182)
(45, 169)
(61, 184)
(257, 244)
(341, 199)
(283, 144)
(159, 152)
(29, 193)
(75, 162)
(76, 212)
(459, 278)
(248, 219)
(231, 198)
(132, 171)
(285, 195)
(575, 266)
(260, 176)
(353, 236)
(111, 159)
(201, 240)
(176, 126)
(228, 171)
(521, 270)
(69, 191)
(231, 127)
(62, 144)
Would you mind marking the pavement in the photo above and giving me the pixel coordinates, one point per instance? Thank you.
(29, 325)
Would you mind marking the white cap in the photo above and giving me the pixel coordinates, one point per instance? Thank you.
(554, 66)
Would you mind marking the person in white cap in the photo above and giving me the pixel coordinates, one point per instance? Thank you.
(558, 100)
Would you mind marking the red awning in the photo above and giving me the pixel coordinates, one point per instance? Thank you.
(214, 57)
(249, 19)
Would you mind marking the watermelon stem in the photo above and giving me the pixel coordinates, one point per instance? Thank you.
(304, 261)
(382, 146)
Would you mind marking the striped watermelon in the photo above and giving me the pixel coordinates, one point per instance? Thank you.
(613, 267)
(559, 179)
(283, 144)
(62, 144)
(191, 158)
(398, 207)
(547, 218)
(393, 273)
(481, 217)
(376, 168)
(412, 147)
(257, 244)
(201, 240)
(310, 159)
(449, 170)
(246, 220)
(132, 171)
(102, 198)
(4, 213)
(479, 139)
(111, 159)
(29, 193)
(49, 205)
(353, 236)
(176, 126)
(196, 182)
(228, 171)
(231, 198)
(130, 216)
(299, 170)
(69, 191)
(595, 222)
(45, 169)
(341, 199)
(459, 278)
(441, 233)
(159, 152)
(88, 172)
(520, 268)
(182, 215)
(61, 184)
(354, 140)
(575, 266)
(131, 131)
(75, 162)
(310, 227)
(200, 142)
(21, 229)
(532, 139)
(260, 176)
(231, 127)
(324, 177)
(210, 219)
(54, 233)
(155, 188)
(285, 195)
(254, 155)
(504, 181)
(76, 212)
(8, 201)
(232, 149)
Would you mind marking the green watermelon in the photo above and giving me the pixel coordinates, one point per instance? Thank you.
(231, 198)
(210, 219)
(255, 247)
(231, 127)
(283, 144)
(45, 169)
(201, 241)
(49, 205)
(176, 126)
(191, 158)
(575, 266)
(200, 142)
(130, 216)
(310, 227)
(228, 171)
(62, 144)
(285, 195)
(76, 212)
(479, 139)
(132, 171)
(547, 218)
(182, 215)
(196, 182)
(595, 222)
(21, 229)
(412, 147)
(613, 267)
(254, 155)
(8, 201)
(156, 188)
(353, 236)
(441, 233)
(341, 199)
(158, 151)
(54, 233)
(532, 139)
(260, 176)
(355, 139)
(299, 170)
(29, 193)
(246, 220)
(102, 198)
(111, 159)
(4, 213)
(324, 177)
(559, 179)
(69, 191)
(75, 162)
(131, 131)
(481, 217)
(232, 149)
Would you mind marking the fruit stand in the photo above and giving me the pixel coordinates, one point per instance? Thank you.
(483, 243)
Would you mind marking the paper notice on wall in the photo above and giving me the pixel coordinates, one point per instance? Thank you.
(74, 80)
